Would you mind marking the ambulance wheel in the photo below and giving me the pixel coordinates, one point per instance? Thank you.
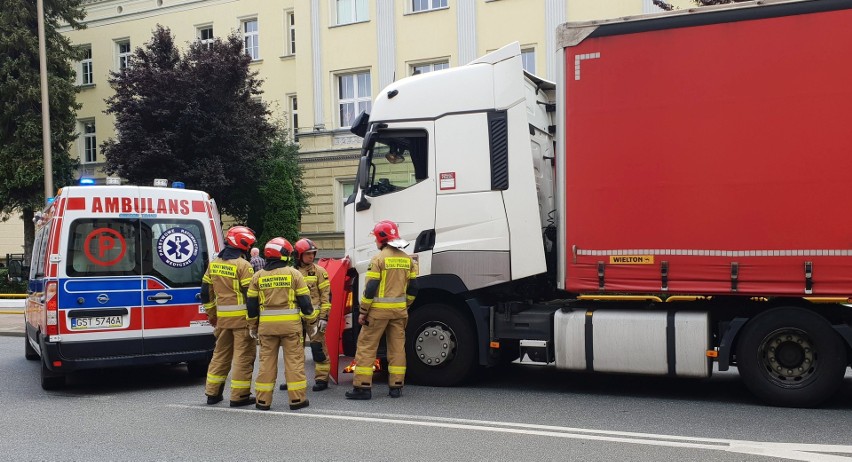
(29, 352)
(198, 368)
(791, 357)
(51, 380)
(441, 348)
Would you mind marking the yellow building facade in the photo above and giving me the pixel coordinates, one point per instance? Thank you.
(322, 62)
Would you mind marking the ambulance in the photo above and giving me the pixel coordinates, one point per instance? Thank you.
(115, 279)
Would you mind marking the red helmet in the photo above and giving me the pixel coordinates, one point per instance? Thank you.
(387, 232)
(304, 246)
(240, 237)
(278, 249)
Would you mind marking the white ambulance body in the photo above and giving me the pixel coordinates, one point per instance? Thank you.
(115, 280)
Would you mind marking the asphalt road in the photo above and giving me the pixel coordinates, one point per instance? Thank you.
(517, 413)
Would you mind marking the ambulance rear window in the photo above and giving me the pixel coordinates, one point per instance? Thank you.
(103, 247)
(175, 251)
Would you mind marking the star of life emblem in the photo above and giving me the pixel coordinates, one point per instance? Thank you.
(177, 247)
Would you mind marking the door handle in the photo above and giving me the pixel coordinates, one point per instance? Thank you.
(158, 297)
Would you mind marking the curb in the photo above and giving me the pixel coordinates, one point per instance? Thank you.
(11, 334)
(11, 311)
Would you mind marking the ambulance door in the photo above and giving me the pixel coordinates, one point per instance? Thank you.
(176, 243)
(99, 274)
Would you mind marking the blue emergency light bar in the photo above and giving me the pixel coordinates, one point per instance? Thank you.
(178, 185)
(87, 181)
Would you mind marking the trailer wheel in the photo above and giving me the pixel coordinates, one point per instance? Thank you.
(791, 357)
(197, 369)
(29, 352)
(51, 380)
(441, 350)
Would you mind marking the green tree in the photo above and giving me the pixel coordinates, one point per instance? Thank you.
(21, 156)
(194, 117)
(283, 198)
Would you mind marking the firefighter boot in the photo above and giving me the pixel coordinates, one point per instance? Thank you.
(283, 386)
(261, 407)
(304, 403)
(359, 393)
(320, 385)
(243, 402)
(213, 399)
(395, 392)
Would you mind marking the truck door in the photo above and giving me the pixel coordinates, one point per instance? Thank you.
(175, 252)
(401, 186)
(99, 305)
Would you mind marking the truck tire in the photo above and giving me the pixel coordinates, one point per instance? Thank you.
(197, 369)
(29, 352)
(51, 380)
(440, 346)
(791, 357)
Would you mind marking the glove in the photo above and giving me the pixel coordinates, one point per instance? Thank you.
(213, 320)
(321, 325)
(253, 333)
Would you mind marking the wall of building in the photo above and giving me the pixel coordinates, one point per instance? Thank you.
(386, 43)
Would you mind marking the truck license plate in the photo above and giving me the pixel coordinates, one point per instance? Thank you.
(99, 322)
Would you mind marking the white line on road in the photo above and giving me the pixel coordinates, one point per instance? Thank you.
(792, 451)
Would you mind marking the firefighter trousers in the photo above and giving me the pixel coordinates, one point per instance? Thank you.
(237, 347)
(321, 368)
(294, 367)
(368, 343)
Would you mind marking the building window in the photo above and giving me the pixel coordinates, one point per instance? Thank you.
(290, 28)
(528, 60)
(343, 189)
(123, 52)
(251, 36)
(86, 77)
(205, 36)
(293, 104)
(349, 11)
(431, 67)
(353, 96)
(88, 142)
(426, 5)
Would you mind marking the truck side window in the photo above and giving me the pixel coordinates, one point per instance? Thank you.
(399, 160)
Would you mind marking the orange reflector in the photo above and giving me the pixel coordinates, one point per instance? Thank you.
(495, 345)
(712, 354)
(57, 364)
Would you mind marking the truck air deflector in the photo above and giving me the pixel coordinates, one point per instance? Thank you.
(498, 141)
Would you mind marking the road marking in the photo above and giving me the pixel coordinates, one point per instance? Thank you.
(792, 451)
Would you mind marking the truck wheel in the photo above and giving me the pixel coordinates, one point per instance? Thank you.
(791, 357)
(29, 352)
(51, 380)
(441, 348)
(198, 368)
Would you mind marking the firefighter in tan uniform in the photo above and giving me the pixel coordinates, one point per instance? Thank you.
(317, 279)
(389, 290)
(273, 297)
(223, 290)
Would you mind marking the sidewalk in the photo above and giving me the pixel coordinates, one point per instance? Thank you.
(12, 317)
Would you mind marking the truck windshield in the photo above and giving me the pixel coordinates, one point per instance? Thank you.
(398, 159)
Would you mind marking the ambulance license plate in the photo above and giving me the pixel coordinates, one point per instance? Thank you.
(99, 322)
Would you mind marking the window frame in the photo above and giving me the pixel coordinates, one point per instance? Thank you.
(356, 100)
(529, 51)
(444, 4)
(431, 65)
(85, 138)
(123, 57)
(340, 198)
(354, 17)
(199, 33)
(86, 62)
(293, 110)
(289, 33)
(253, 35)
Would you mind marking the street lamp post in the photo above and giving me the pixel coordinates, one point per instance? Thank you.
(45, 105)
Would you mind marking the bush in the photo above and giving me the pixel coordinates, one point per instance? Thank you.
(10, 287)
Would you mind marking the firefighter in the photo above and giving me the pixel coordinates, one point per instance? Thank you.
(223, 294)
(274, 318)
(317, 279)
(389, 290)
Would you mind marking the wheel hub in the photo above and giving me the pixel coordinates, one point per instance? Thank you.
(789, 355)
(435, 345)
